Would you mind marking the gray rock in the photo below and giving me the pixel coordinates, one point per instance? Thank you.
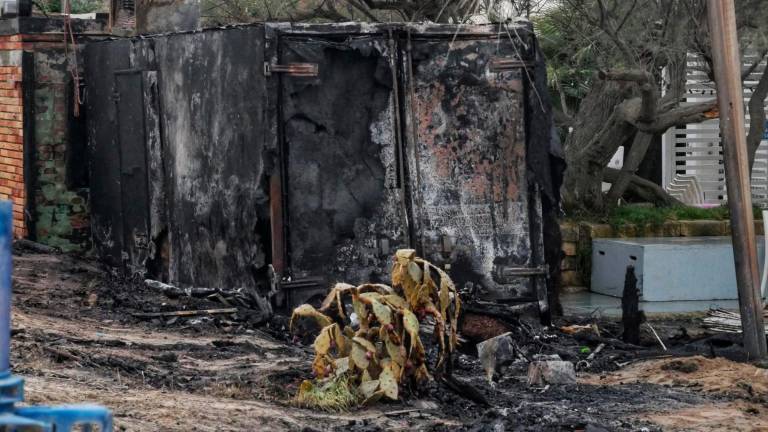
(495, 352)
(541, 373)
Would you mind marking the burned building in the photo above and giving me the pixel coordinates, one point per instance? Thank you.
(290, 157)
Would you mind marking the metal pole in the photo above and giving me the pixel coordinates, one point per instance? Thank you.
(730, 96)
(6, 238)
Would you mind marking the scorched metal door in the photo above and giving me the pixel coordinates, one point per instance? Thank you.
(342, 190)
(133, 169)
(472, 202)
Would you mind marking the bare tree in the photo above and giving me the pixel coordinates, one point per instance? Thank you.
(454, 11)
(641, 49)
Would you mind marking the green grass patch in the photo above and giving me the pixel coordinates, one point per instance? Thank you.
(332, 395)
(642, 216)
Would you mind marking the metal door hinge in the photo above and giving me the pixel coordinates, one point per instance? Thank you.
(500, 64)
(292, 69)
(504, 274)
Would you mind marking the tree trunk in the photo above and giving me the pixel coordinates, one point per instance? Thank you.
(646, 190)
(598, 124)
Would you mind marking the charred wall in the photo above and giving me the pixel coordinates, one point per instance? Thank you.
(201, 146)
(320, 149)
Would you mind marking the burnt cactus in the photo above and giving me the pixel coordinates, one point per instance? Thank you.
(376, 348)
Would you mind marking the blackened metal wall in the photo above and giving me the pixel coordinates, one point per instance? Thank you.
(202, 123)
(433, 137)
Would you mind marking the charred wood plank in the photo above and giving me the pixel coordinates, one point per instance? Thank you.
(631, 317)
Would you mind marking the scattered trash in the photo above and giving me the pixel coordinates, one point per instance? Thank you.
(187, 313)
(586, 364)
(664, 347)
(242, 297)
(575, 328)
(724, 321)
(32, 246)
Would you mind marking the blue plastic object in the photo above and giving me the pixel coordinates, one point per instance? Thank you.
(38, 418)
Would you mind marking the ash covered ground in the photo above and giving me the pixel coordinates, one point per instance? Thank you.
(76, 338)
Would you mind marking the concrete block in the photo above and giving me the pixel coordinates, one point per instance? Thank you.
(569, 231)
(541, 373)
(668, 269)
(589, 231)
(569, 248)
(703, 228)
(569, 263)
(495, 352)
(672, 229)
(572, 278)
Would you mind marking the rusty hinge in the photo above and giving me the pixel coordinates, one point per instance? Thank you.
(508, 272)
(292, 69)
(499, 64)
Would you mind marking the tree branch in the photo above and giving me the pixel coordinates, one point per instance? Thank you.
(363, 10)
(648, 92)
(757, 117)
(635, 155)
(748, 71)
(644, 189)
(636, 75)
(695, 113)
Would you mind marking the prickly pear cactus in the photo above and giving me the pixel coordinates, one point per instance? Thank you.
(373, 355)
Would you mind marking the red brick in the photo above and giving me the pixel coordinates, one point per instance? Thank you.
(10, 108)
(11, 46)
(11, 93)
(18, 163)
(11, 146)
(12, 154)
(11, 139)
(10, 131)
(11, 176)
(16, 124)
(9, 69)
(10, 101)
(11, 77)
(10, 116)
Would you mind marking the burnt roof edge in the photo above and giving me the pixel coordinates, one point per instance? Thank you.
(491, 29)
(51, 25)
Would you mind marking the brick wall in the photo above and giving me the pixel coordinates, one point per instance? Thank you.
(35, 82)
(12, 145)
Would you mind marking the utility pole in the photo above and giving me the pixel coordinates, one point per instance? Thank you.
(730, 97)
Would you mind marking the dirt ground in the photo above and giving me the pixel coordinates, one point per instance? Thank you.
(76, 340)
